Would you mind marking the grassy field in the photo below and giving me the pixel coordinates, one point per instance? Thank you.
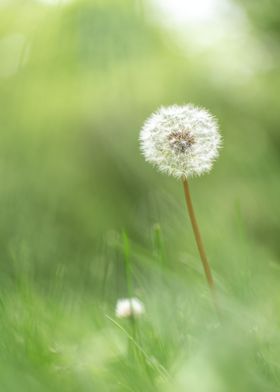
(85, 221)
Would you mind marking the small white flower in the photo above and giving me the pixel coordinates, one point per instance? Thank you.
(127, 307)
(182, 141)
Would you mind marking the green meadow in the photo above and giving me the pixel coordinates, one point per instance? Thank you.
(85, 221)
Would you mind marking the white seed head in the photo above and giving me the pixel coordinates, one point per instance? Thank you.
(182, 141)
(128, 307)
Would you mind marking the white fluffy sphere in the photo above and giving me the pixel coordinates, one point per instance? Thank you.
(182, 141)
(128, 307)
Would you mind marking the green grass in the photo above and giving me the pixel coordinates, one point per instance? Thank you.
(66, 337)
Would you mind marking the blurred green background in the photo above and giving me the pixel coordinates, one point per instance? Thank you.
(77, 81)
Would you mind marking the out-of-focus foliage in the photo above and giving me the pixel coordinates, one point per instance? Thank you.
(77, 80)
(265, 16)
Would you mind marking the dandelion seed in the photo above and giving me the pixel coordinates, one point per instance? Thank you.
(128, 307)
(182, 141)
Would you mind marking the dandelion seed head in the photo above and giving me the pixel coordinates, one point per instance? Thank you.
(128, 307)
(182, 141)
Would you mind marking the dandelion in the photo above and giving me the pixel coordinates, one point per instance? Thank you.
(129, 307)
(183, 141)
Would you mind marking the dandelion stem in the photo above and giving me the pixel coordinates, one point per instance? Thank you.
(198, 239)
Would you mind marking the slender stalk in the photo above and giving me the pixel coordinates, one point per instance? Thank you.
(129, 289)
(200, 246)
(127, 266)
